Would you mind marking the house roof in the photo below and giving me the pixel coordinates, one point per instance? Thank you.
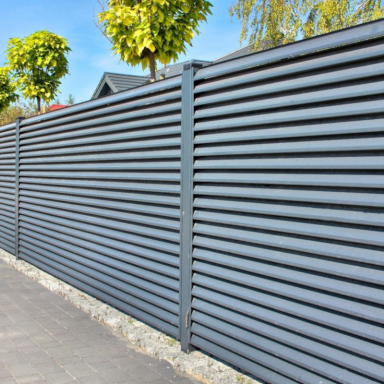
(55, 107)
(238, 53)
(118, 82)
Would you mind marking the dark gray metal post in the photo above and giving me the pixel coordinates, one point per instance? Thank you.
(17, 184)
(187, 125)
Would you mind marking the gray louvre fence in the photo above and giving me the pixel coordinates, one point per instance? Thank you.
(7, 187)
(238, 207)
(100, 199)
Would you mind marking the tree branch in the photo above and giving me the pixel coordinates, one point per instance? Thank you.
(99, 26)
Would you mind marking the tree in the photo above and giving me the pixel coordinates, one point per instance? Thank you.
(38, 62)
(71, 99)
(19, 108)
(7, 90)
(143, 31)
(270, 23)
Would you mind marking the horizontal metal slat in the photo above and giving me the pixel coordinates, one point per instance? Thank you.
(101, 104)
(6, 164)
(7, 232)
(295, 115)
(7, 221)
(7, 199)
(342, 197)
(101, 131)
(104, 166)
(208, 290)
(327, 231)
(32, 204)
(30, 190)
(119, 280)
(8, 214)
(304, 359)
(324, 162)
(308, 179)
(6, 238)
(7, 183)
(119, 185)
(43, 198)
(8, 150)
(135, 254)
(154, 274)
(335, 145)
(7, 144)
(328, 76)
(238, 265)
(214, 248)
(170, 153)
(96, 136)
(170, 176)
(298, 99)
(305, 294)
(107, 120)
(97, 224)
(282, 241)
(99, 233)
(7, 127)
(5, 206)
(362, 52)
(296, 328)
(7, 246)
(335, 214)
(7, 191)
(168, 142)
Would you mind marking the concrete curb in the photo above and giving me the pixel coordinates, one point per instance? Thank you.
(149, 340)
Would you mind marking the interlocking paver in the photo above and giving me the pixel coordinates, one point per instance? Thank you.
(43, 338)
(31, 379)
(59, 378)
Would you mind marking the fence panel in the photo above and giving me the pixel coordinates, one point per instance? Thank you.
(7, 187)
(100, 199)
(288, 260)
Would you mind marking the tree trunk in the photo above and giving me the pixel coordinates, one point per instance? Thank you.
(152, 65)
(38, 104)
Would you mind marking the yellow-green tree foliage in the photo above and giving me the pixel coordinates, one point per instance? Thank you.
(269, 23)
(37, 63)
(146, 31)
(7, 90)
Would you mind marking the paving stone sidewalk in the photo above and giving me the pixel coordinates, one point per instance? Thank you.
(45, 339)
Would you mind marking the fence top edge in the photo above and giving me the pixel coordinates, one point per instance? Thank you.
(142, 90)
(348, 36)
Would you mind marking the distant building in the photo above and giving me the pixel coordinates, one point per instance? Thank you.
(112, 83)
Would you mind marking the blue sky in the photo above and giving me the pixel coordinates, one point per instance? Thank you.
(91, 54)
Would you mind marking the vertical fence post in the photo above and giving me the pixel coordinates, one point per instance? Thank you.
(187, 125)
(17, 184)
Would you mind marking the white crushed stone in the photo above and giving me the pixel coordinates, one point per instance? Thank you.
(152, 342)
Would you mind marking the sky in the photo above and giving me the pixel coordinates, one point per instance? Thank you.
(91, 51)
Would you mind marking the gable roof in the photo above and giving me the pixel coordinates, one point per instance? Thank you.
(117, 82)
